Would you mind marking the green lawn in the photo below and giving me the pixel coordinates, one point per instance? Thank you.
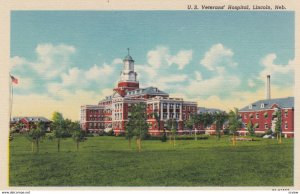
(107, 161)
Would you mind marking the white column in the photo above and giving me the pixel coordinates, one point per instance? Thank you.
(174, 111)
(161, 111)
(153, 110)
(180, 112)
(168, 110)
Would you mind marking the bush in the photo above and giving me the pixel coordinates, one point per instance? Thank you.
(226, 131)
(259, 134)
(109, 133)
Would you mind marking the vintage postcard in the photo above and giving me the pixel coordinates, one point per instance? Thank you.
(195, 95)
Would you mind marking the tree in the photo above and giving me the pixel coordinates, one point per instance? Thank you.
(197, 119)
(78, 134)
(250, 128)
(208, 119)
(37, 131)
(235, 123)
(138, 122)
(219, 119)
(173, 126)
(129, 132)
(157, 118)
(278, 124)
(59, 127)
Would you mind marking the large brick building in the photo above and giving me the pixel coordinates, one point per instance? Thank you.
(113, 111)
(263, 114)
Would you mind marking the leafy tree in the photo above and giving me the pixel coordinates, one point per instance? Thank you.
(207, 119)
(35, 134)
(157, 118)
(129, 132)
(59, 127)
(278, 124)
(235, 123)
(219, 119)
(196, 119)
(250, 128)
(173, 126)
(78, 134)
(138, 123)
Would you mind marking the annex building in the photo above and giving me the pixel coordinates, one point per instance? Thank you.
(113, 111)
(263, 114)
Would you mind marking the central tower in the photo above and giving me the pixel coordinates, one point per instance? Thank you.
(128, 76)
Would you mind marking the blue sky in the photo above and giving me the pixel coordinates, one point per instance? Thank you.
(219, 59)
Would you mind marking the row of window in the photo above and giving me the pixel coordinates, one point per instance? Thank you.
(118, 116)
(267, 126)
(171, 115)
(266, 115)
(118, 105)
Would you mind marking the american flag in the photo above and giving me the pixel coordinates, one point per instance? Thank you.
(14, 80)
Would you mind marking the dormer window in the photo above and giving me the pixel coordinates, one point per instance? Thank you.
(250, 106)
(262, 105)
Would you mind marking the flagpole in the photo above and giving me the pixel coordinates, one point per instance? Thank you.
(11, 99)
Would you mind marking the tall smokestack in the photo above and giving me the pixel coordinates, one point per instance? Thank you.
(268, 88)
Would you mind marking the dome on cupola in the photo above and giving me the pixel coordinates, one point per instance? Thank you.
(128, 57)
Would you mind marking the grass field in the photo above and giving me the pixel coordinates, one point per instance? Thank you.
(107, 161)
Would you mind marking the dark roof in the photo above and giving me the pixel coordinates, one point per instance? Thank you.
(208, 110)
(267, 104)
(146, 91)
(30, 119)
(128, 58)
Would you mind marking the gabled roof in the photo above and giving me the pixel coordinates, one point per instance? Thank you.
(208, 110)
(267, 104)
(30, 119)
(146, 91)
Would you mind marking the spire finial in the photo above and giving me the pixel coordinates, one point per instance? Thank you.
(128, 50)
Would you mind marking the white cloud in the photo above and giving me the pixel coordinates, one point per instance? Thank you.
(158, 56)
(276, 70)
(198, 76)
(52, 60)
(17, 61)
(182, 58)
(96, 72)
(161, 56)
(220, 85)
(173, 78)
(217, 56)
(73, 77)
(251, 83)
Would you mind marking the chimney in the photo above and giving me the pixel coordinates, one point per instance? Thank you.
(268, 88)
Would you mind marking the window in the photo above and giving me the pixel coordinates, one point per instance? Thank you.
(262, 105)
(245, 116)
(177, 105)
(285, 114)
(250, 106)
(164, 115)
(251, 116)
(257, 115)
(285, 125)
(171, 115)
(171, 106)
(266, 126)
